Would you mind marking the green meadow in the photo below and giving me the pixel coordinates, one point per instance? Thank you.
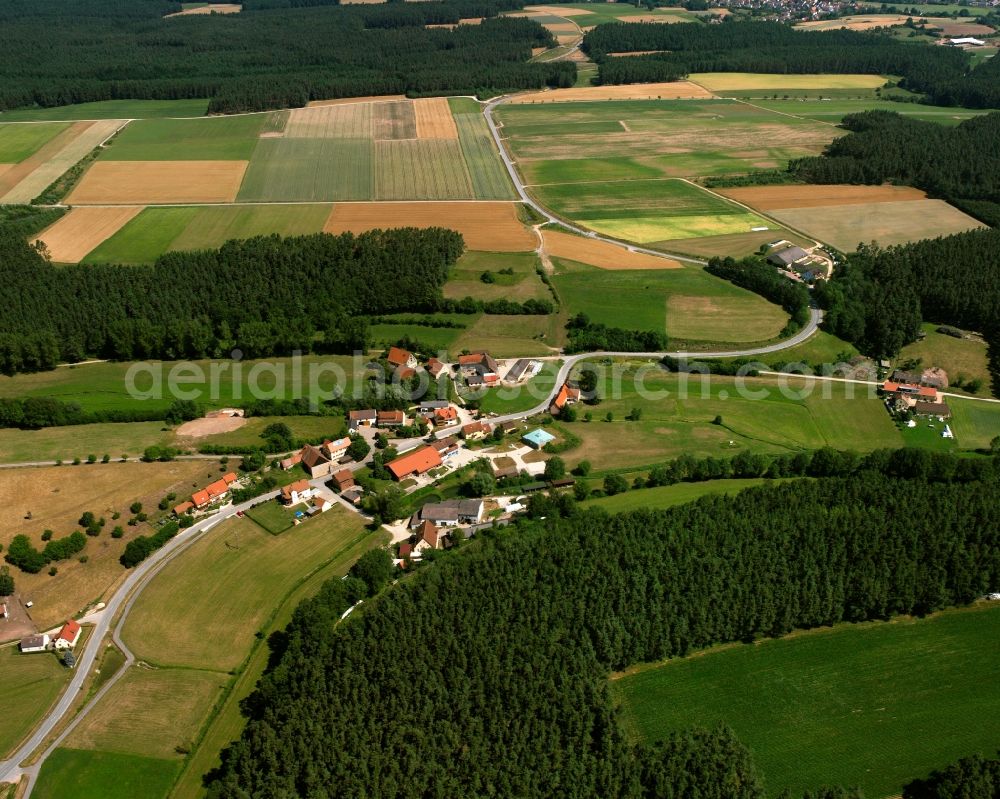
(145, 238)
(309, 169)
(873, 705)
(17, 142)
(720, 416)
(86, 774)
(465, 279)
(210, 139)
(32, 683)
(690, 305)
(600, 13)
(834, 110)
(110, 109)
(671, 496)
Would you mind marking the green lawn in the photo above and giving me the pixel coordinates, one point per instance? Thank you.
(975, 424)
(834, 110)
(144, 238)
(964, 359)
(678, 415)
(102, 386)
(874, 705)
(31, 684)
(513, 399)
(212, 227)
(465, 278)
(434, 338)
(490, 180)
(210, 139)
(689, 304)
(669, 496)
(273, 516)
(17, 142)
(110, 109)
(86, 774)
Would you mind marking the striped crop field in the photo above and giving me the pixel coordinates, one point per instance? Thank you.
(288, 169)
(489, 177)
(421, 170)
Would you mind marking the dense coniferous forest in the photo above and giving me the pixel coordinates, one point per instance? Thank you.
(485, 674)
(960, 164)
(969, 778)
(265, 296)
(941, 73)
(70, 51)
(878, 298)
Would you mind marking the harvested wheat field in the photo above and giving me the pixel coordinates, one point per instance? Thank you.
(82, 229)
(888, 223)
(675, 90)
(559, 11)
(434, 119)
(453, 25)
(600, 253)
(211, 8)
(5, 167)
(148, 182)
(766, 198)
(487, 226)
(349, 100)
(957, 27)
(747, 81)
(861, 22)
(330, 122)
(56, 496)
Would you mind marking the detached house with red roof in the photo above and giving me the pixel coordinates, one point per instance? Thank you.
(415, 463)
(213, 491)
(427, 537)
(400, 358)
(567, 395)
(68, 635)
(296, 492)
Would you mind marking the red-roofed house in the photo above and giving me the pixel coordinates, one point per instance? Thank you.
(291, 460)
(68, 635)
(427, 537)
(183, 508)
(315, 462)
(567, 396)
(415, 463)
(445, 416)
(435, 367)
(476, 431)
(213, 491)
(296, 492)
(391, 418)
(397, 356)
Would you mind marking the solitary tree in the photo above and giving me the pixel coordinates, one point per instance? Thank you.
(555, 468)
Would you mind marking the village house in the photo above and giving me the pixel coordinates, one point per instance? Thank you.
(444, 417)
(296, 492)
(446, 447)
(337, 449)
(476, 431)
(435, 368)
(34, 643)
(451, 513)
(68, 635)
(343, 480)
(319, 505)
(352, 495)
(903, 396)
(427, 537)
(359, 419)
(291, 461)
(938, 409)
(415, 463)
(401, 359)
(568, 395)
(315, 461)
(184, 507)
(391, 419)
(426, 405)
(479, 369)
(214, 491)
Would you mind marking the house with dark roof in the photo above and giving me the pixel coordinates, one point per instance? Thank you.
(788, 257)
(939, 409)
(365, 418)
(315, 461)
(479, 369)
(476, 431)
(452, 512)
(34, 643)
(523, 369)
(435, 367)
(433, 404)
(446, 447)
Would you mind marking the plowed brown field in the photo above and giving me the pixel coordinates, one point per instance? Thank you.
(770, 197)
(487, 226)
(675, 90)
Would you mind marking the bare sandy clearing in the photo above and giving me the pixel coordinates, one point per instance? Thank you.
(147, 182)
(348, 100)
(600, 253)
(210, 426)
(809, 196)
(82, 229)
(434, 119)
(675, 90)
(211, 8)
(486, 226)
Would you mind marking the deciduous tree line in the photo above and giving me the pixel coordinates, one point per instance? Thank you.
(487, 673)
